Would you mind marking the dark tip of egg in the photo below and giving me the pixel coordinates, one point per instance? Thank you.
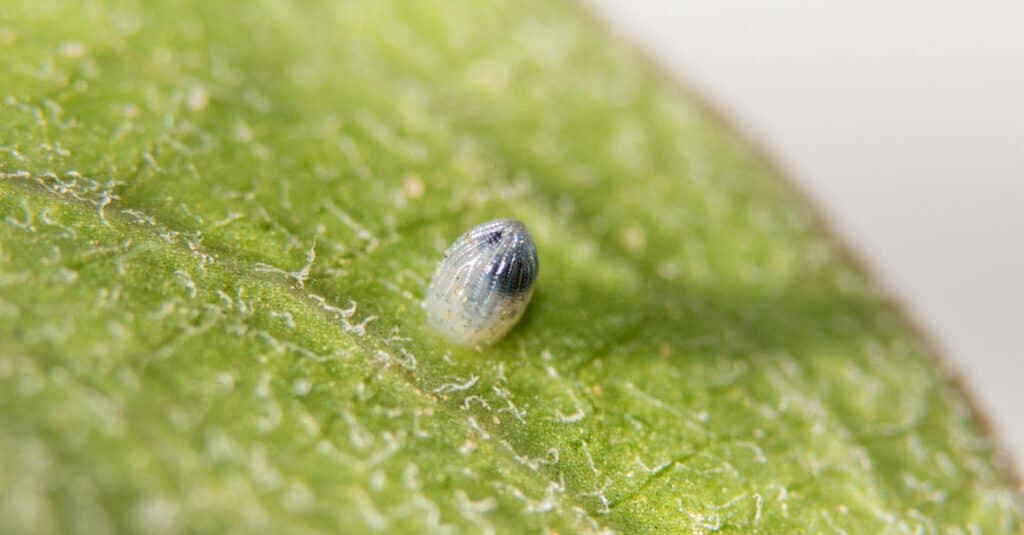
(514, 269)
(494, 238)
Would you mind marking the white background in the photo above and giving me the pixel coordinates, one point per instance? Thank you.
(905, 120)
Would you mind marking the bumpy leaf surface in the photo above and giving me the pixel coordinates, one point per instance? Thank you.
(217, 221)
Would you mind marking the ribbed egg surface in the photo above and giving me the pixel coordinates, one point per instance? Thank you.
(484, 283)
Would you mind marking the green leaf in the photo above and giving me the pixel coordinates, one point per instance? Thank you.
(217, 220)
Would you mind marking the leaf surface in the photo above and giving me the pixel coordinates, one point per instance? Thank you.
(217, 221)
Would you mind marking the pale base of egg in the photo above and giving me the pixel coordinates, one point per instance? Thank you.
(448, 314)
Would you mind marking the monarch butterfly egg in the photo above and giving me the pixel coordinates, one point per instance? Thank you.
(484, 283)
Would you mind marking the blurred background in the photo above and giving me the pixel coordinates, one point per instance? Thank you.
(905, 121)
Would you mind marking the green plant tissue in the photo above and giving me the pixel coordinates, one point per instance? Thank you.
(218, 220)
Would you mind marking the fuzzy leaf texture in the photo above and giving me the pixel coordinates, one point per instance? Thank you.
(217, 222)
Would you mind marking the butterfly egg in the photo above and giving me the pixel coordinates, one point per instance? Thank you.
(484, 283)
